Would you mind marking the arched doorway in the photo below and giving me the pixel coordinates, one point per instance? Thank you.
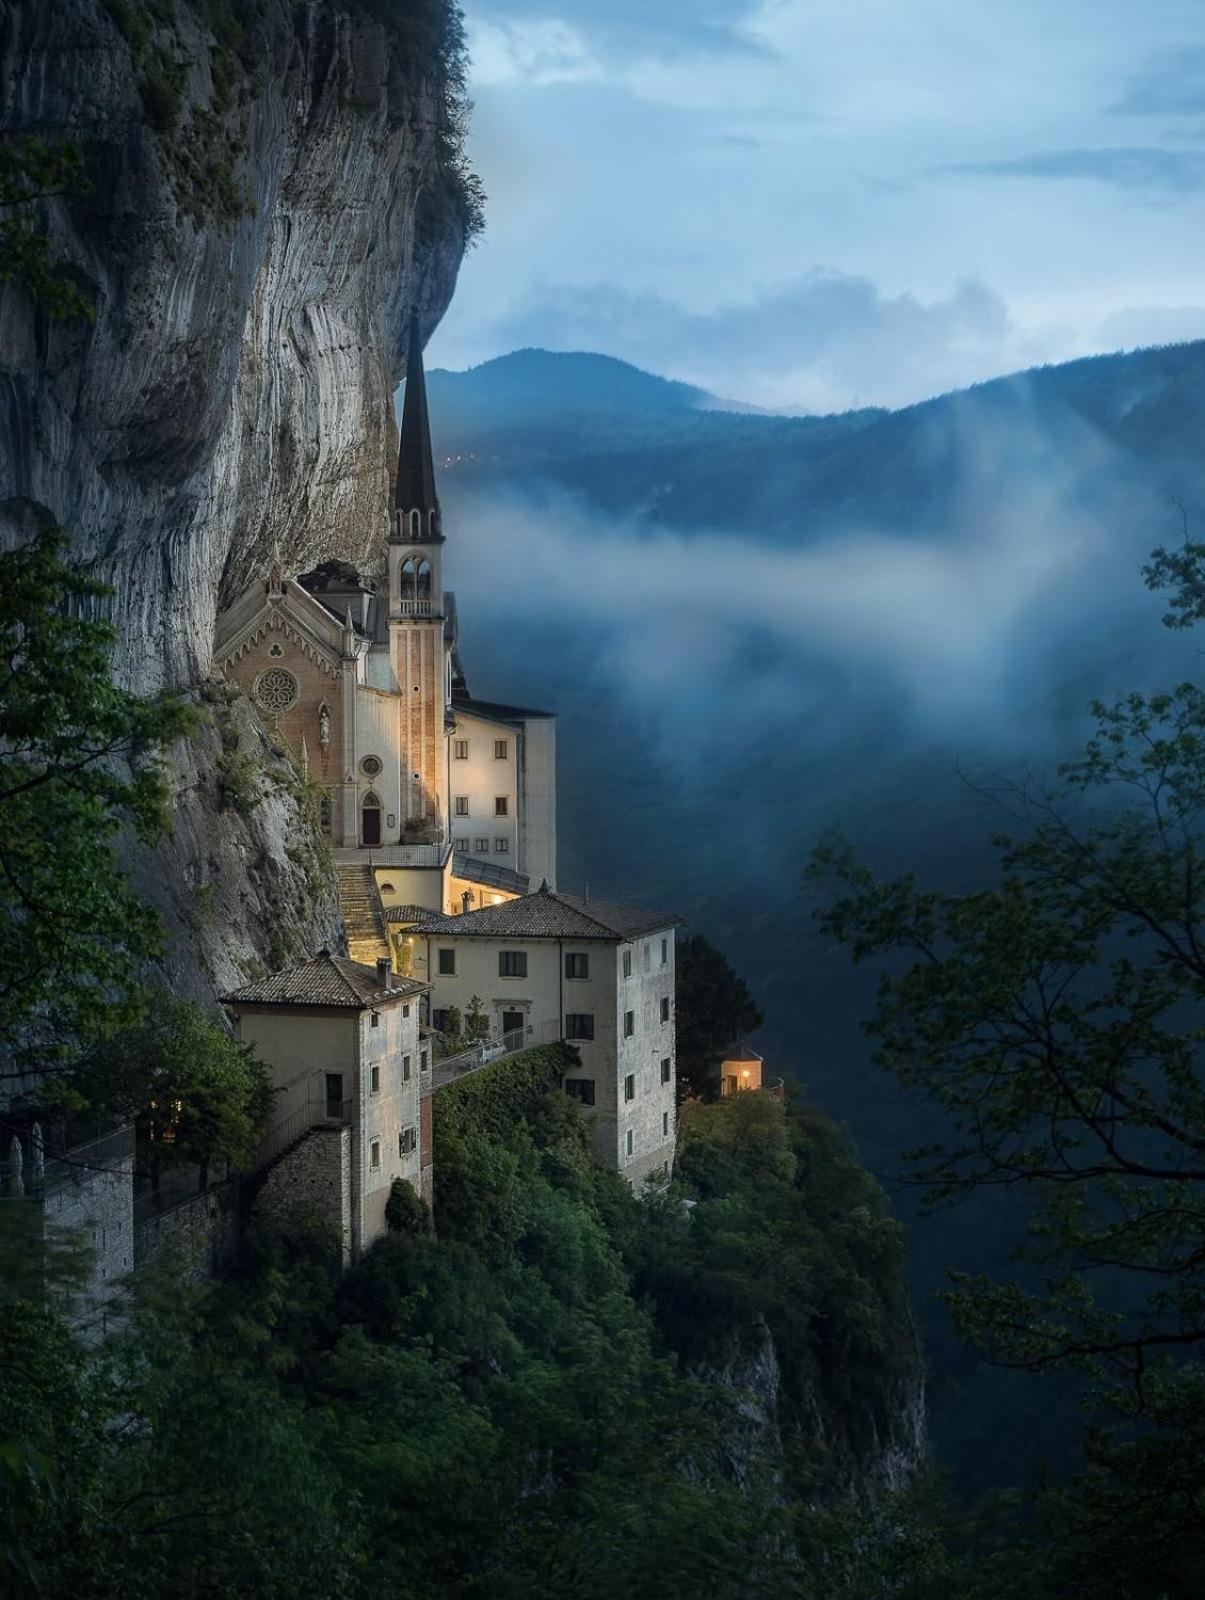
(370, 820)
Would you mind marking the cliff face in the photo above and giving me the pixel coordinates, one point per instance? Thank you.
(260, 223)
(269, 197)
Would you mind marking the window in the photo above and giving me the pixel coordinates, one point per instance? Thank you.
(646, 951)
(422, 1062)
(665, 1124)
(501, 749)
(407, 1141)
(461, 749)
(447, 963)
(629, 1142)
(629, 1086)
(405, 1069)
(501, 846)
(512, 963)
(405, 1011)
(375, 1080)
(376, 1019)
(371, 766)
(276, 690)
(375, 1157)
(667, 1070)
(482, 845)
(629, 1024)
(577, 965)
(665, 952)
(334, 1094)
(627, 963)
(462, 805)
(439, 1020)
(579, 1025)
(462, 844)
(665, 1008)
(580, 1089)
(501, 805)
(512, 1022)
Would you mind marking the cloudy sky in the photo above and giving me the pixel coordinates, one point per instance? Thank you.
(825, 203)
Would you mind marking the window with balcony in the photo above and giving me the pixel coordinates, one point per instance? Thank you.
(512, 963)
(579, 1025)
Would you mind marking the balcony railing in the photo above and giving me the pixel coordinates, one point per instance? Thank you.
(417, 608)
(481, 1055)
(314, 1114)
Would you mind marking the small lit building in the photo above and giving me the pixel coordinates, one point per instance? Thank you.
(599, 975)
(740, 1069)
(341, 1041)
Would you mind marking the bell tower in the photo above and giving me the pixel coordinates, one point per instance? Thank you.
(416, 609)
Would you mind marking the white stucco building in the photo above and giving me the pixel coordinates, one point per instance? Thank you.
(341, 1041)
(598, 974)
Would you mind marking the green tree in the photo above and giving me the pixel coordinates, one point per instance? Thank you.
(476, 1023)
(33, 171)
(1057, 1018)
(196, 1095)
(714, 1009)
(80, 761)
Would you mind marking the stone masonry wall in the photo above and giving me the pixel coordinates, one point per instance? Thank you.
(312, 1179)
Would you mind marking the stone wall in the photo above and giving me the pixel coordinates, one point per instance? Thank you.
(202, 1232)
(313, 1179)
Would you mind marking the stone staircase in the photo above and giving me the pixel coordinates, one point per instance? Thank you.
(360, 903)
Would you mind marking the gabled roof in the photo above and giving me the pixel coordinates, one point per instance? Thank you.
(549, 915)
(740, 1052)
(325, 980)
(494, 710)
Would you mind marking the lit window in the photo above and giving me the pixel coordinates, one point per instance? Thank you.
(501, 846)
(512, 963)
(665, 1008)
(627, 963)
(501, 805)
(375, 1080)
(580, 1089)
(629, 1024)
(501, 749)
(629, 1086)
(375, 1158)
(577, 965)
(579, 1025)
(447, 963)
(461, 749)
(667, 1070)
(462, 805)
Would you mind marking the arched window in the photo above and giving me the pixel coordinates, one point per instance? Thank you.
(370, 819)
(408, 577)
(424, 580)
(416, 524)
(431, 524)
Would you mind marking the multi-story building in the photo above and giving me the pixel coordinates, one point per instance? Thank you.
(601, 976)
(341, 1041)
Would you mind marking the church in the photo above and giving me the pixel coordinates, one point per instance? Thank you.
(448, 801)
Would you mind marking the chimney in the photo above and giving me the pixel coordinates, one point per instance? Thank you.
(385, 972)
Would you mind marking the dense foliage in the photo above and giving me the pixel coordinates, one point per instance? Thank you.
(515, 1406)
(33, 171)
(79, 762)
(1056, 1018)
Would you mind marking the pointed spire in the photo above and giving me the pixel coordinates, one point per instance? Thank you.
(415, 488)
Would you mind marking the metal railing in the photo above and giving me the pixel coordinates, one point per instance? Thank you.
(314, 1114)
(481, 1055)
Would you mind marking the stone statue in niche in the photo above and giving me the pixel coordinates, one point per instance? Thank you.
(324, 727)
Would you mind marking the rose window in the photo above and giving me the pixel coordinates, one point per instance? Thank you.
(371, 766)
(276, 689)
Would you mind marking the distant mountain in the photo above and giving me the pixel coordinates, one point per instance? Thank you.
(630, 443)
(881, 600)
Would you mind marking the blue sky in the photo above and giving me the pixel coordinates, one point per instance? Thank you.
(823, 203)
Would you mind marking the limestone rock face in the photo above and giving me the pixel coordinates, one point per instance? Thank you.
(233, 392)
(262, 218)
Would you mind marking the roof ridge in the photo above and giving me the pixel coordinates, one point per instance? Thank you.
(555, 894)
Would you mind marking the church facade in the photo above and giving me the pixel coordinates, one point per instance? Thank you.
(451, 800)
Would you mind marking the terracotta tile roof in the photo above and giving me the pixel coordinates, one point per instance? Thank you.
(549, 915)
(324, 980)
(408, 913)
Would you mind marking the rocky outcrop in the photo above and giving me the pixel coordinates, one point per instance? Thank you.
(271, 193)
(252, 263)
